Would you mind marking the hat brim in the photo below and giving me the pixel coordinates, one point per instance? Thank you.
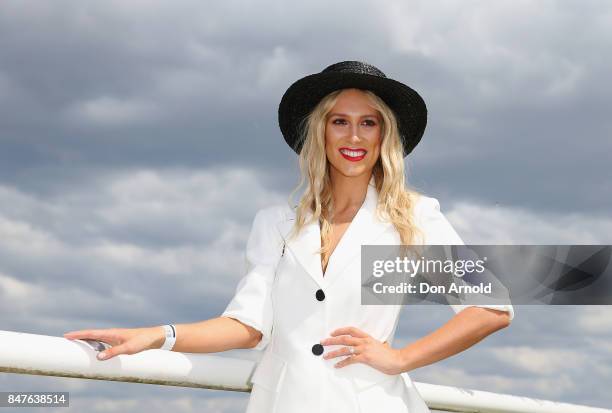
(304, 94)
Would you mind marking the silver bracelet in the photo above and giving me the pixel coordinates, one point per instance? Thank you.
(170, 337)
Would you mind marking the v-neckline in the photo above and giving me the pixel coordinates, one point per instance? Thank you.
(324, 270)
(306, 246)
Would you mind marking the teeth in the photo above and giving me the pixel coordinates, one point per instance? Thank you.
(353, 154)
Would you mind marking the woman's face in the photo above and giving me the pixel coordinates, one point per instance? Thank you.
(352, 134)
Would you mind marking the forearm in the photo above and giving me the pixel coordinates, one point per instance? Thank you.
(465, 329)
(211, 336)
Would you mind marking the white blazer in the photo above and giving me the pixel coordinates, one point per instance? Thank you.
(285, 296)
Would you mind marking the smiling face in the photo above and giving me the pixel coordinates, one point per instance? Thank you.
(352, 134)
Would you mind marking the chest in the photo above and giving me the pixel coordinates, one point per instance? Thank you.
(338, 229)
(308, 304)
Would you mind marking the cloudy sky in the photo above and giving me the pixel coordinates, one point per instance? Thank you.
(139, 138)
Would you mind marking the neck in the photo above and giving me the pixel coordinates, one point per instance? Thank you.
(348, 192)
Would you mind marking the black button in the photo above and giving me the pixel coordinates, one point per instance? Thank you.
(317, 349)
(320, 295)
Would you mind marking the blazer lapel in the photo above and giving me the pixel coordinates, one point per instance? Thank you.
(304, 247)
(363, 229)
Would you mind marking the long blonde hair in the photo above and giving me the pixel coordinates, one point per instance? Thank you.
(395, 200)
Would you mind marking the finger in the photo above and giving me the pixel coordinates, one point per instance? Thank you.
(353, 331)
(345, 351)
(347, 361)
(344, 340)
(109, 336)
(93, 334)
(113, 351)
(74, 333)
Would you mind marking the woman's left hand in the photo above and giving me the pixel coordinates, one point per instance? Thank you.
(367, 349)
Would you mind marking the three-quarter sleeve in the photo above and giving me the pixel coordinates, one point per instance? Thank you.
(252, 301)
(437, 230)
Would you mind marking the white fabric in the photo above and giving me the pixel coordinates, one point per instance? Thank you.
(440, 232)
(277, 296)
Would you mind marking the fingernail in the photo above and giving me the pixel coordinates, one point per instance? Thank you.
(101, 356)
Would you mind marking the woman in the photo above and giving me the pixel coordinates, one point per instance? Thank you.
(300, 300)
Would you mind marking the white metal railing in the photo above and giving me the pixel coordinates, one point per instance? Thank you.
(25, 353)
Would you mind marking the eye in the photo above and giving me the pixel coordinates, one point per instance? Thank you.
(368, 122)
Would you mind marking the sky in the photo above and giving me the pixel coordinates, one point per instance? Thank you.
(139, 138)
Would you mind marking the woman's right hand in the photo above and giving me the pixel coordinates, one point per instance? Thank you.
(122, 340)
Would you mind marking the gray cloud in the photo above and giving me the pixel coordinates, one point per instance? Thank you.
(511, 90)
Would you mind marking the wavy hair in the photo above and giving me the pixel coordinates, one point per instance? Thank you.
(395, 199)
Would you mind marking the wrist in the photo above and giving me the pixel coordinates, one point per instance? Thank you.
(405, 360)
(160, 337)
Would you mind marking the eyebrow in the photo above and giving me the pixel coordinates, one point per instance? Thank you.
(345, 115)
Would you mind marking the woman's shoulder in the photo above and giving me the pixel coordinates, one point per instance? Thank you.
(438, 230)
(276, 212)
(425, 204)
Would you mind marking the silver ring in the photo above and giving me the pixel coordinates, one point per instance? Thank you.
(352, 350)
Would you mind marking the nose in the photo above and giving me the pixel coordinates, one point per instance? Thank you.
(355, 140)
(355, 134)
(354, 130)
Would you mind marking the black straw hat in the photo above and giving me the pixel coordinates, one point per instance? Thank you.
(304, 94)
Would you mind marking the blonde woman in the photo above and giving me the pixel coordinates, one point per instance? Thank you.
(300, 301)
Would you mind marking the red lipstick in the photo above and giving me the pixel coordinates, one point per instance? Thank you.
(352, 154)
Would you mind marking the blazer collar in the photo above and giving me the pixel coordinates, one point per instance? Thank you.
(363, 229)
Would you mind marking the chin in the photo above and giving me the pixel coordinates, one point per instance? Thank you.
(348, 170)
(353, 173)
